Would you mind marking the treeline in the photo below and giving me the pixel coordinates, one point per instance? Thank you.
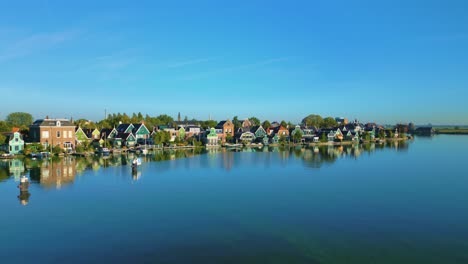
(318, 121)
(113, 120)
(23, 120)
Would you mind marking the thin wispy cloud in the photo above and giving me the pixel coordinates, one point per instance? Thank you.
(35, 43)
(189, 62)
(108, 66)
(236, 68)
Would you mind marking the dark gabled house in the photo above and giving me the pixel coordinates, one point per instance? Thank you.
(424, 131)
(139, 131)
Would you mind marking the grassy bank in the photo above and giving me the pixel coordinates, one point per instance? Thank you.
(452, 131)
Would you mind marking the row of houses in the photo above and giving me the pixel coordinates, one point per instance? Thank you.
(63, 133)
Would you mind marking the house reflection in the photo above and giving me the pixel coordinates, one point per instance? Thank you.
(55, 173)
(16, 168)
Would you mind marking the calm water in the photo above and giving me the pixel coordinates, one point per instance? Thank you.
(368, 204)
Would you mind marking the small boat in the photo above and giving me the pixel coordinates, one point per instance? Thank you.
(135, 163)
(230, 145)
(103, 151)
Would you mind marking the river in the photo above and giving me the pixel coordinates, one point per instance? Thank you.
(398, 203)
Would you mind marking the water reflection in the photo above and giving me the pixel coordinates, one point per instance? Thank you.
(59, 172)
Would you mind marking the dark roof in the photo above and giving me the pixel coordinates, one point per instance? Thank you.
(187, 123)
(123, 135)
(123, 127)
(52, 122)
(220, 124)
(105, 132)
(137, 126)
(275, 124)
(88, 132)
(276, 129)
(254, 129)
(424, 129)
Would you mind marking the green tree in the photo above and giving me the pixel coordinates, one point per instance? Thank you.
(125, 119)
(161, 137)
(182, 134)
(32, 148)
(282, 139)
(254, 121)
(5, 127)
(283, 123)
(323, 138)
(165, 119)
(381, 134)
(367, 136)
(2, 139)
(236, 122)
(19, 119)
(266, 124)
(297, 137)
(134, 118)
(229, 138)
(57, 150)
(329, 122)
(79, 149)
(312, 120)
(208, 124)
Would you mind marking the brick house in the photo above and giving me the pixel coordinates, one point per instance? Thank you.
(223, 129)
(53, 132)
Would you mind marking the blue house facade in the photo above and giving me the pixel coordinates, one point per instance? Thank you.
(15, 143)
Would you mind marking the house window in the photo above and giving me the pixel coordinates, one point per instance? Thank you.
(45, 134)
(58, 134)
(65, 134)
(16, 139)
(70, 134)
(16, 148)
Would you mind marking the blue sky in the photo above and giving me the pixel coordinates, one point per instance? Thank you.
(383, 61)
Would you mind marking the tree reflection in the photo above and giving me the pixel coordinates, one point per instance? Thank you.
(58, 172)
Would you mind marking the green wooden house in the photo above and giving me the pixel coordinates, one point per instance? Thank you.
(15, 143)
(96, 134)
(128, 139)
(212, 138)
(125, 128)
(140, 131)
(259, 131)
(80, 136)
(275, 139)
